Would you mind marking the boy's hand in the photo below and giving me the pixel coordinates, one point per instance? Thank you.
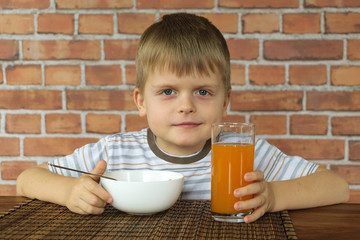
(86, 196)
(263, 200)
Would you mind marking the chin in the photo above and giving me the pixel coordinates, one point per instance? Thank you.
(187, 143)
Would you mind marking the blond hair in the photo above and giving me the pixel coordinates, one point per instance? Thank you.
(184, 44)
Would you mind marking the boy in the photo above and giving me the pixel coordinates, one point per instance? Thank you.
(183, 86)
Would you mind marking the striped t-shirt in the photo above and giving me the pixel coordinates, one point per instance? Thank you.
(138, 150)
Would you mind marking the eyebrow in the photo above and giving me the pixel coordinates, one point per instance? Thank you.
(196, 86)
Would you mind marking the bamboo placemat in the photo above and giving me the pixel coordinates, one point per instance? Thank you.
(185, 220)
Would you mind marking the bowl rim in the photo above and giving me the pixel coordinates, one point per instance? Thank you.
(179, 176)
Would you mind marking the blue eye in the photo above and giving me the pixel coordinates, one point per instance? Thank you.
(167, 91)
(203, 92)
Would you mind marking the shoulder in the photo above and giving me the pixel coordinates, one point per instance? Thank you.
(139, 137)
(277, 166)
(261, 144)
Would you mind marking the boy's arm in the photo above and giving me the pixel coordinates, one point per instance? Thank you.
(323, 187)
(82, 195)
(38, 182)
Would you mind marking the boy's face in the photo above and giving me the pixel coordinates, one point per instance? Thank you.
(180, 110)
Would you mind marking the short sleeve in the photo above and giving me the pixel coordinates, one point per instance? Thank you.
(84, 158)
(277, 166)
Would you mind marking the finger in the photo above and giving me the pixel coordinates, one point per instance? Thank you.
(87, 208)
(83, 201)
(77, 210)
(251, 189)
(255, 202)
(99, 169)
(254, 176)
(100, 192)
(92, 199)
(74, 206)
(258, 213)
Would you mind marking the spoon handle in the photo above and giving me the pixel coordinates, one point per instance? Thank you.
(75, 170)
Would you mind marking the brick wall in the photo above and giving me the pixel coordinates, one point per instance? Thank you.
(67, 74)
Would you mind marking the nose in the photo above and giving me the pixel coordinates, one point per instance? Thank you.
(186, 104)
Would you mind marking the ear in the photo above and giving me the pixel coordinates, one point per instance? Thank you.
(139, 101)
(226, 102)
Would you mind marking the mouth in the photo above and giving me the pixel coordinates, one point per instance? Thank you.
(187, 125)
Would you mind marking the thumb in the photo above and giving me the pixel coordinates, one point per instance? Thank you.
(99, 169)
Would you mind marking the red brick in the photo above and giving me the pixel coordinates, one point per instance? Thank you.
(307, 74)
(96, 24)
(56, 23)
(89, 4)
(260, 23)
(30, 99)
(9, 146)
(316, 149)
(243, 49)
(7, 190)
(353, 49)
(23, 123)
(130, 73)
(63, 123)
(165, 4)
(345, 126)
(10, 170)
(354, 196)
(351, 173)
(134, 22)
(269, 124)
(103, 75)
(103, 123)
(259, 4)
(100, 100)
(23, 74)
(346, 101)
(354, 150)
(63, 75)
(266, 75)
(61, 49)
(225, 22)
(120, 49)
(9, 50)
(234, 118)
(301, 23)
(17, 23)
(332, 3)
(12, 4)
(308, 124)
(345, 75)
(266, 100)
(52, 146)
(303, 49)
(237, 76)
(1, 75)
(135, 123)
(342, 22)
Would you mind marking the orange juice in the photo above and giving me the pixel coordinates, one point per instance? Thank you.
(230, 161)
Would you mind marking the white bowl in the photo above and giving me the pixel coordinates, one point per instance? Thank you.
(143, 191)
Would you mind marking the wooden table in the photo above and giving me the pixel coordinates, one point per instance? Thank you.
(8, 202)
(340, 221)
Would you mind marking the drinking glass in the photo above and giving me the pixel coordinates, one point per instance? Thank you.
(232, 155)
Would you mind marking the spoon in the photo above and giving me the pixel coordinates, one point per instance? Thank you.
(71, 169)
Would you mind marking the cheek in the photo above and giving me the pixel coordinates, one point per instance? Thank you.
(214, 110)
(156, 113)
